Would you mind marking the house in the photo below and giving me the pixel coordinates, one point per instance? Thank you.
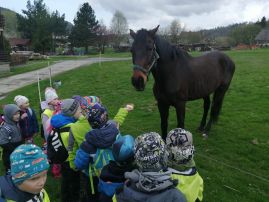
(262, 39)
(18, 44)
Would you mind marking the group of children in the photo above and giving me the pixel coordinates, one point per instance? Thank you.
(94, 161)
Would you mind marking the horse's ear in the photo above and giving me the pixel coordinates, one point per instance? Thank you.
(132, 33)
(153, 31)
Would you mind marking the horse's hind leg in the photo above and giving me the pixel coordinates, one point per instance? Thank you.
(164, 113)
(206, 109)
(216, 106)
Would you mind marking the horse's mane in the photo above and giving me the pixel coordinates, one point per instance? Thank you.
(169, 51)
(166, 50)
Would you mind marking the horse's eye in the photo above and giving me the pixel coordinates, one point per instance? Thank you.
(149, 48)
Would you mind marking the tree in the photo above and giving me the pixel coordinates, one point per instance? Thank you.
(84, 32)
(175, 31)
(38, 25)
(245, 34)
(102, 37)
(119, 27)
(263, 22)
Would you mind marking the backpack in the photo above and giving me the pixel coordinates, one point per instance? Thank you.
(101, 158)
(56, 151)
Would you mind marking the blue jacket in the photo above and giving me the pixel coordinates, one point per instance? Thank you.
(29, 125)
(60, 120)
(100, 138)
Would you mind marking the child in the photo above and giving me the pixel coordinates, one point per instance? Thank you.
(79, 129)
(10, 135)
(50, 107)
(181, 149)
(98, 142)
(70, 112)
(29, 167)
(28, 122)
(112, 175)
(152, 180)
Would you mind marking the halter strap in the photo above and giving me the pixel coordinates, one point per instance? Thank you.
(155, 57)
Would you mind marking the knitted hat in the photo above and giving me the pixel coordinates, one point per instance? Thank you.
(20, 100)
(179, 145)
(50, 94)
(123, 148)
(150, 152)
(26, 161)
(69, 107)
(97, 116)
(86, 102)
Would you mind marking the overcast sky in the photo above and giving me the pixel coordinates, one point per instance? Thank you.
(193, 14)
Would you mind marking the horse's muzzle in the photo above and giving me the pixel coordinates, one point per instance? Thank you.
(138, 83)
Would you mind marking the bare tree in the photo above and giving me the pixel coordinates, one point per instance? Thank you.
(119, 27)
(175, 30)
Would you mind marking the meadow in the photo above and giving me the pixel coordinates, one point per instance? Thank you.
(233, 161)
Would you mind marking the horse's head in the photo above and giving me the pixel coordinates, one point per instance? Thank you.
(144, 56)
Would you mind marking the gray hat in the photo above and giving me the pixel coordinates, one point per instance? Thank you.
(69, 107)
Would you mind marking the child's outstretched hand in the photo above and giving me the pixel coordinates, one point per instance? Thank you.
(129, 107)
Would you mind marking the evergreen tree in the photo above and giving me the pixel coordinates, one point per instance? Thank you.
(84, 32)
(39, 26)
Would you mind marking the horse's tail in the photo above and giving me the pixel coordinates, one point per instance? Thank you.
(219, 93)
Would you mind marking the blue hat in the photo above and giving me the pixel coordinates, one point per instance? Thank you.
(26, 161)
(123, 148)
(97, 116)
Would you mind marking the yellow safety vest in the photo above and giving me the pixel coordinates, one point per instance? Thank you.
(191, 186)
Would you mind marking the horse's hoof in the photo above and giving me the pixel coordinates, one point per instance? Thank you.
(205, 136)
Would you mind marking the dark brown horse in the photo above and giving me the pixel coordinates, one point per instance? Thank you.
(180, 77)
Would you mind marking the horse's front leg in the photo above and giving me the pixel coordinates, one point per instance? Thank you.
(164, 113)
(180, 109)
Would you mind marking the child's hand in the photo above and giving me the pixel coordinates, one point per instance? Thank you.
(24, 115)
(129, 107)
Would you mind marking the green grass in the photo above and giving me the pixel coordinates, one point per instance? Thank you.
(233, 161)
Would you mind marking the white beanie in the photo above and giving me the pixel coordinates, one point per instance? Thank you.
(50, 94)
(20, 100)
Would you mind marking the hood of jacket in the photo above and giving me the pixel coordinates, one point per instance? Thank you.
(60, 120)
(103, 137)
(150, 181)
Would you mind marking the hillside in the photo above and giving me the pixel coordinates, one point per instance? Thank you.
(10, 23)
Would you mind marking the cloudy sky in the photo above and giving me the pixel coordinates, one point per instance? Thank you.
(193, 14)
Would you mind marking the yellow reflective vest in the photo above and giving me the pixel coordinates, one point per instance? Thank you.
(191, 186)
(43, 194)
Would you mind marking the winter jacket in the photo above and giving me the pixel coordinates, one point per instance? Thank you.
(10, 192)
(79, 130)
(112, 177)
(102, 138)
(149, 187)
(59, 121)
(29, 125)
(10, 138)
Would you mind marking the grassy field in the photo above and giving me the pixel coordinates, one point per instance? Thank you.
(233, 161)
